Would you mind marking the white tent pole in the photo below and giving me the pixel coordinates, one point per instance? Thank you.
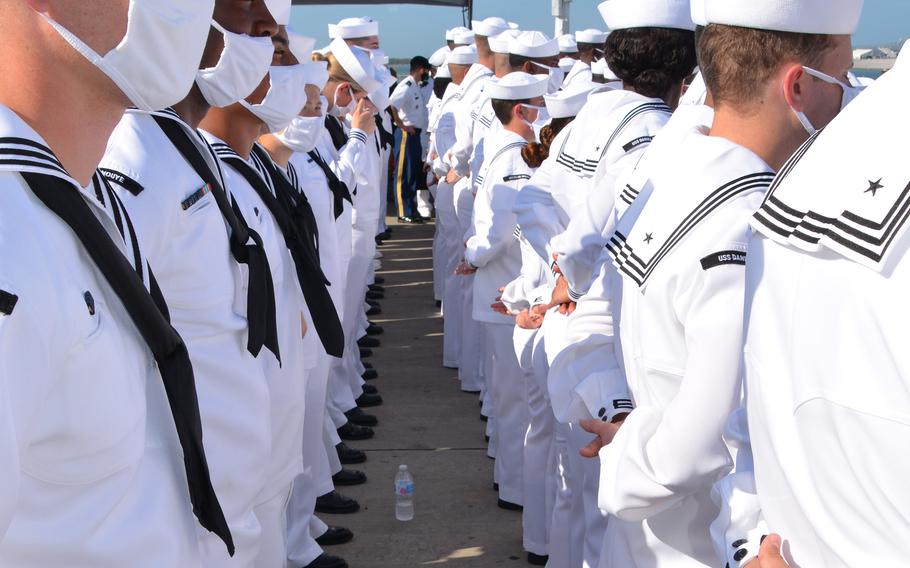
(561, 15)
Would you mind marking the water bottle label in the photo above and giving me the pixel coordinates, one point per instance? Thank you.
(404, 487)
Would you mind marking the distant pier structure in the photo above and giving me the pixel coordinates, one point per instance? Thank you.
(874, 59)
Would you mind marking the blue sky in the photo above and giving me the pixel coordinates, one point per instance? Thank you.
(408, 30)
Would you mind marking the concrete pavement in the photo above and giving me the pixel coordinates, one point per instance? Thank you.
(434, 428)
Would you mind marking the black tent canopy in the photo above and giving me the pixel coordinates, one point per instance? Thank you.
(457, 3)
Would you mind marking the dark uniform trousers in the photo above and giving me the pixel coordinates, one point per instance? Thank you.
(408, 171)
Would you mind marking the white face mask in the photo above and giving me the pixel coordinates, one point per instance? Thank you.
(557, 76)
(323, 106)
(540, 113)
(239, 71)
(155, 63)
(850, 92)
(343, 111)
(303, 132)
(285, 98)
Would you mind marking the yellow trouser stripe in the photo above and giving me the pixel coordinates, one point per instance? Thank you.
(401, 152)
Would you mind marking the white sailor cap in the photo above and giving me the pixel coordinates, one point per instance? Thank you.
(625, 14)
(280, 10)
(316, 73)
(513, 26)
(568, 102)
(489, 27)
(443, 72)
(462, 55)
(450, 34)
(566, 64)
(533, 45)
(500, 43)
(600, 67)
(301, 46)
(567, 44)
(381, 95)
(356, 62)
(697, 11)
(464, 37)
(828, 17)
(351, 28)
(591, 35)
(517, 86)
(439, 56)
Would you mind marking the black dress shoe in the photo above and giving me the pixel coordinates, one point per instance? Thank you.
(508, 506)
(484, 418)
(374, 329)
(373, 304)
(374, 310)
(533, 559)
(364, 353)
(367, 400)
(360, 418)
(495, 486)
(376, 288)
(354, 432)
(379, 241)
(335, 536)
(367, 364)
(327, 561)
(378, 280)
(334, 503)
(411, 220)
(438, 303)
(349, 477)
(370, 389)
(370, 374)
(367, 341)
(371, 295)
(348, 455)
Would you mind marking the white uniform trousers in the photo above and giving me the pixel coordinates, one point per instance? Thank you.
(594, 520)
(470, 359)
(331, 439)
(439, 260)
(341, 395)
(446, 256)
(272, 514)
(589, 523)
(567, 527)
(316, 478)
(506, 385)
(539, 475)
(359, 273)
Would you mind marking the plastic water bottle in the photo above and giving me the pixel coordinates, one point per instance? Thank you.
(404, 494)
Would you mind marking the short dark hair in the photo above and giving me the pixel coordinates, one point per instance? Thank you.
(517, 61)
(419, 62)
(440, 84)
(651, 60)
(584, 47)
(736, 62)
(503, 109)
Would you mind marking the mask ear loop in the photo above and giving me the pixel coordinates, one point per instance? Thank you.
(801, 116)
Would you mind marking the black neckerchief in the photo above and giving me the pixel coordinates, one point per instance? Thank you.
(306, 259)
(340, 191)
(148, 312)
(246, 244)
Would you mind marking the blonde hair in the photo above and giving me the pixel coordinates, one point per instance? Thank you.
(336, 71)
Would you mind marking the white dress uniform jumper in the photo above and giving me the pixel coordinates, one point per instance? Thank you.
(86, 426)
